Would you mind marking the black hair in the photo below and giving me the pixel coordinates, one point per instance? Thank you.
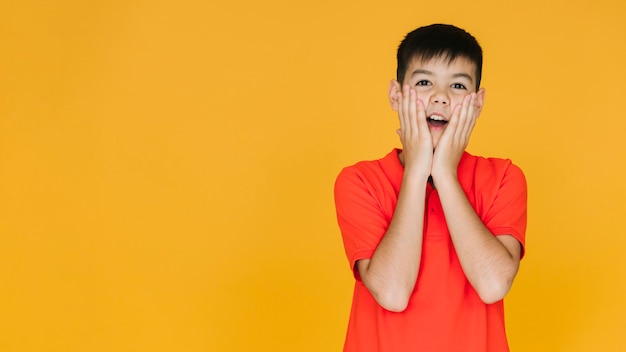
(439, 41)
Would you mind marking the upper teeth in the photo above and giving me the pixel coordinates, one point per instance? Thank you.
(436, 117)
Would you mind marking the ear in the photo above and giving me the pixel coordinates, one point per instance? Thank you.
(394, 89)
(480, 101)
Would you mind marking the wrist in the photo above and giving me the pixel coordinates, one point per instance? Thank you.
(415, 169)
(418, 179)
(445, 180)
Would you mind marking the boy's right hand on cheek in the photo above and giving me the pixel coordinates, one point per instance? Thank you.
(414, 134)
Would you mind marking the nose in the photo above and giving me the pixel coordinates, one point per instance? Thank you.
(440, 97)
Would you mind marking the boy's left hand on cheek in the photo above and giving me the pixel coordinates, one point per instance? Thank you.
(455, 138)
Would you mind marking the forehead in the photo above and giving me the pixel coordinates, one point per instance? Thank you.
(442, 65)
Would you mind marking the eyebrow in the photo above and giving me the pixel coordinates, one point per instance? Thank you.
(456, 75)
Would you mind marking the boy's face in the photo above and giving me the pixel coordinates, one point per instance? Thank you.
(441, 86)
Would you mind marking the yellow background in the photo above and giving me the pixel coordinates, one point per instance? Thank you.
(166, 167)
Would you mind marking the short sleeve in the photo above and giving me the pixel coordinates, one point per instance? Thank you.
(360, 215)
(507, 213)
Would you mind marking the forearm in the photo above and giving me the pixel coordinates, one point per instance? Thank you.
(489, 264)
(391, 273)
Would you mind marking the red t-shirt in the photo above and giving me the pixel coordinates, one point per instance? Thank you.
(444, 312)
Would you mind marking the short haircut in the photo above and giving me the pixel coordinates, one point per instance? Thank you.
(439, 41)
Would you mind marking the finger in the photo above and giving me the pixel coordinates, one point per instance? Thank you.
(470, 119)
(399, 98)
(422, 124)
(473, 110)
(413, 111)
(405, 106)
(459, 134)
(453, 123)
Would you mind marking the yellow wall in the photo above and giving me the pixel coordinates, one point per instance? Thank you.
(166, 167)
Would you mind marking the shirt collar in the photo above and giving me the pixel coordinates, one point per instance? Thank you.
(394, 169)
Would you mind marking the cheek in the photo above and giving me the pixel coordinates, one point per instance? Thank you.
(457, 101)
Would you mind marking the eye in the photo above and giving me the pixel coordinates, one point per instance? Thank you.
(422, 83)
(458, 86)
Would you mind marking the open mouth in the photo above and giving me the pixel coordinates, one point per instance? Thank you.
(436, 121)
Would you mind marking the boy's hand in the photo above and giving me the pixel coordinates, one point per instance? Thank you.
(417, 143)
(455, 138)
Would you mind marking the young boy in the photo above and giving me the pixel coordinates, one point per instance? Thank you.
(433, 234)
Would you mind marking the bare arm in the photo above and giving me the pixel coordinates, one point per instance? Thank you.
(490, 263)
(391, 273)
